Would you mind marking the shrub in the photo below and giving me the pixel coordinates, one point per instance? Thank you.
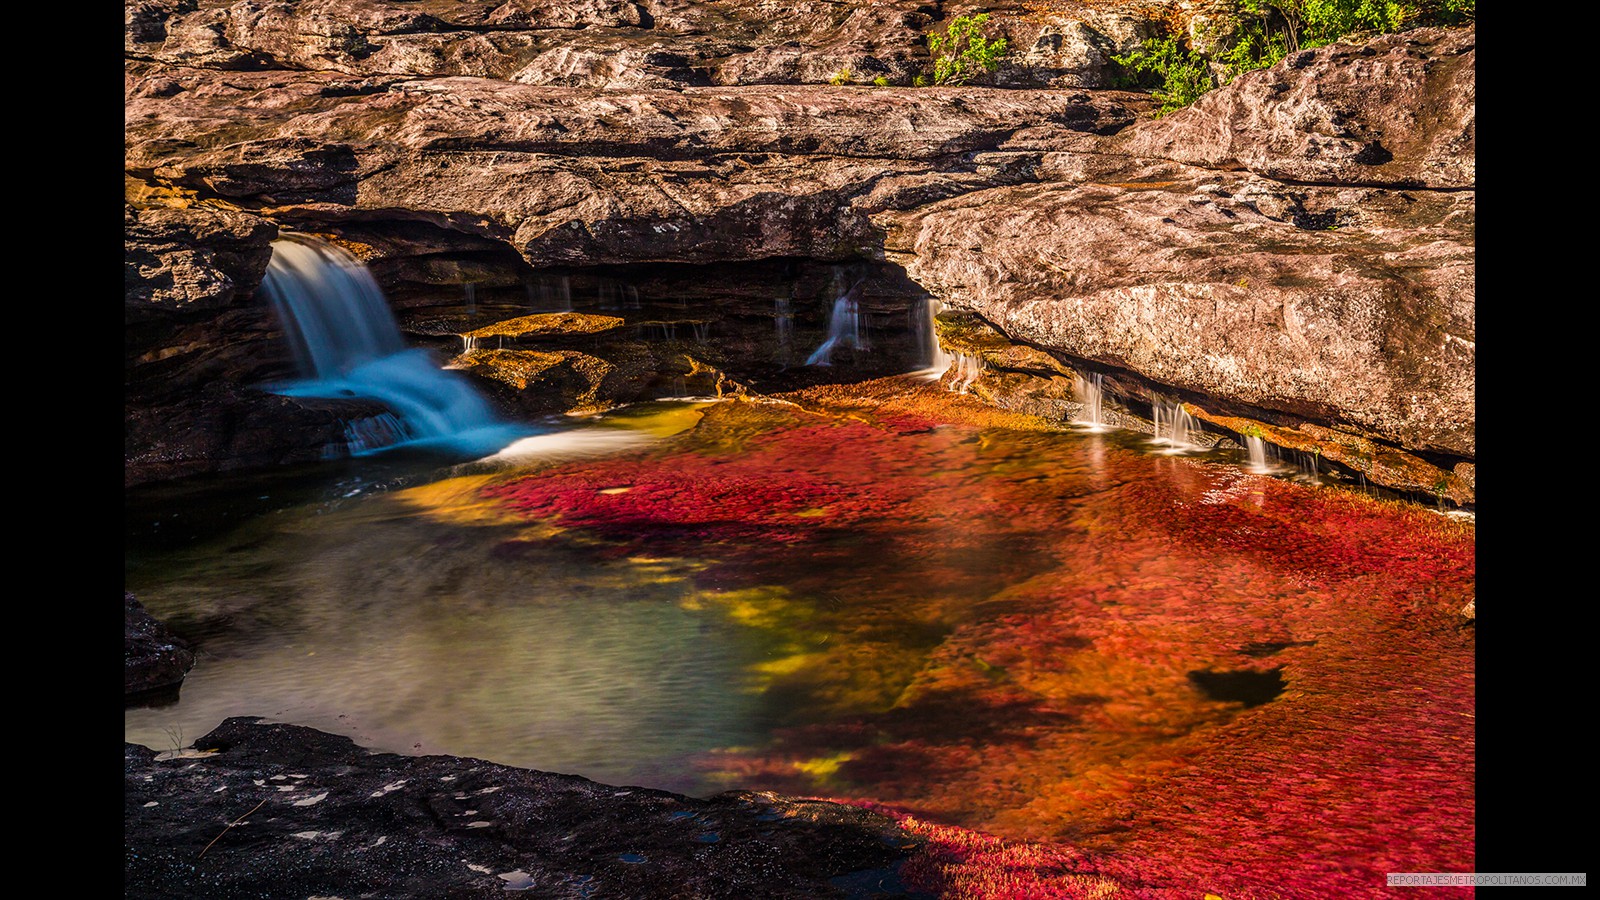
(881, 81)
(1265, 31)
(963, 52)
(841, 77)
(1182, 74)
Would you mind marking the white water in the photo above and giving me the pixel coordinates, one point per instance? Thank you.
(1091, 391)
(348, 344)
(844, 329)
(1256, 448)
(965, 369)
(550, 293)
(931, 357)
(1173, 425)
(783, 319)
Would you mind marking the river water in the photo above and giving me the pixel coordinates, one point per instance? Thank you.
(1048, 634)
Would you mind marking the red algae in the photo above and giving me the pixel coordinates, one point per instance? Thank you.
(1017, 628)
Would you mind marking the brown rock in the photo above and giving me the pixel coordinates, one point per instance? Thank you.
(1351, 306)
(1398, 111)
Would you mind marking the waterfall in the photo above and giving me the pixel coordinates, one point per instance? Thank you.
(931, 358)
(783, 319)
(844, 328)
(348, 344)
(1091, 391)
(472, 297)
(1256, 449)
(966, 370)
(550, 293)
(1173, 425)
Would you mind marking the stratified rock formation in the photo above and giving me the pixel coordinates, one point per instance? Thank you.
(287, 811)
(1296, 250)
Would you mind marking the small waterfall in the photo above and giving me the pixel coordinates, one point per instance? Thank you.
(844, 329)
(702, 332)
(1309, 465)
(964, 370)
(550, 293)
(1091, 390)
(1173, 425)
(1256, 450)
(783, 319)
(931, 356)
(472, 297)
(348, 344)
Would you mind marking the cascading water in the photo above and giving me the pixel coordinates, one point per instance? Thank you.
(1091, 390)
(1173, 424)
(348, 344)
(931, 357)
(1256, 450)
(966, 370)
(547, 293)
(844, 329)
(783, 320)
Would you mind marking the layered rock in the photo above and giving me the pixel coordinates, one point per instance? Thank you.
(1294, 249)
(1348, 303)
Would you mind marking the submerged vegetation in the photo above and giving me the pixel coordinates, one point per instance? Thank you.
(1260, 33)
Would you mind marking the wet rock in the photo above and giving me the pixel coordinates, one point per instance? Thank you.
(546, 324)
(288, 811)
(154, 659)
(1217, 284)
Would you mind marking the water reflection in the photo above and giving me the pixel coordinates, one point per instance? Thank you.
(993, 627)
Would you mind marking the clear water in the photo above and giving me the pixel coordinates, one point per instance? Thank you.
(998, 628)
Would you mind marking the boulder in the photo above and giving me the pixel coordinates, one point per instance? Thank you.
(264, 810)
(154, 659)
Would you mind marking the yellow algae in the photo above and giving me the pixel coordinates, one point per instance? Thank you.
(787, 665)
(547, 324)
(460, 501)
(823, 766)
(656, 419)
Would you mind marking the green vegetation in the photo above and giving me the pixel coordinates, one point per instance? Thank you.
(963, 52)
(881, 81)
(841, 77)
(1263, 32)
(1183, 74)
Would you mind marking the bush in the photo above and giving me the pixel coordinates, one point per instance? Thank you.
(1265, 31)
(1182, 73)
(963, 52)
(841, 77)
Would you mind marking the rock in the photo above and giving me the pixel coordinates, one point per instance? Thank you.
(154, 659)
(1297, 246)
(1334, 305)
(544, 324)
(1397, 111)
(288, 811)
(196, 258)
(585, 177)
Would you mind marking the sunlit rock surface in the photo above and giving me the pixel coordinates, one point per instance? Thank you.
(1297, 246)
